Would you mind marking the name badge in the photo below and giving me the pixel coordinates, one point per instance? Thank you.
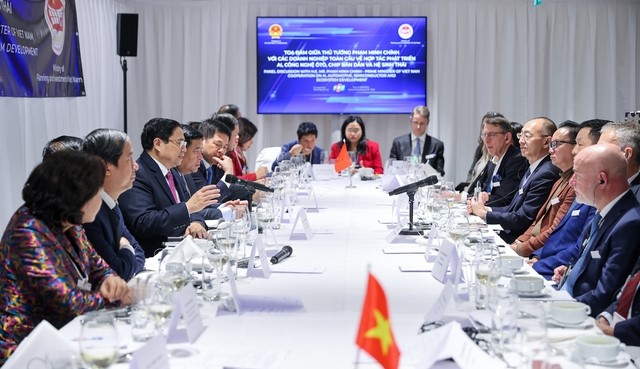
(430, 156)
(595, 254)
(520, 192)
(495, 184)
(575, 213)
(555, 201)
(84, 285)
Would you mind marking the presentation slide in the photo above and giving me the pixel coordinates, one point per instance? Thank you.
(337, 65)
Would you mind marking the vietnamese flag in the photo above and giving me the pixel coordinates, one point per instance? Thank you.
(343, 161)
(375, 335)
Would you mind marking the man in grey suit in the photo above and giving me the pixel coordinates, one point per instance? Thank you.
(419, 143)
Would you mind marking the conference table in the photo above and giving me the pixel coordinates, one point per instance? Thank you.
(328, 275)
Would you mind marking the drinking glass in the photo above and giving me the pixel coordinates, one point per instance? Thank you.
(174, 276)
(488, 268)
(159, 305)
(99, 340)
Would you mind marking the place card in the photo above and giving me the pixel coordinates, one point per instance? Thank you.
(301, 217)
(395, 231)
(186, 307)
(446, 260)
(153, 355)
(439, 307)
(323, 172)
(264, 271)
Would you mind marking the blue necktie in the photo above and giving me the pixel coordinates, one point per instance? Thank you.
(416, 149)
(210, 175)
(575, 271)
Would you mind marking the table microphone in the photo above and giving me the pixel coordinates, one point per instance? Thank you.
(282, 254)
(255, 185)
(415, 185)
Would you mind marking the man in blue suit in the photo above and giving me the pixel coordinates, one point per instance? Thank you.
(305, 145)
(107, 233)
(500, 179)
(534, 187)
(419, 143)
(157, 206)
(609, 245)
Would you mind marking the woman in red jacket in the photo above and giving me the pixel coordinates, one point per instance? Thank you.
(353, 135)
(247, 131)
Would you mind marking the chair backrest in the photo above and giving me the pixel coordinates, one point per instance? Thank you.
(267, 156)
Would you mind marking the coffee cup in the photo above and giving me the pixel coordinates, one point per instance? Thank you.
(527, 283)
(569, 312)
(511, 262)
(602, 348)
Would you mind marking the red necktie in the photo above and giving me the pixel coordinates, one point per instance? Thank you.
(626, 297)
(172, 186)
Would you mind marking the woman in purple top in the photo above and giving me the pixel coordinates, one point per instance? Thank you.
(49, 271)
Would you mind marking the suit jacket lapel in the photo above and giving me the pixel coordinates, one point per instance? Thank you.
(157, 174)
(115, 222)
(426, 148)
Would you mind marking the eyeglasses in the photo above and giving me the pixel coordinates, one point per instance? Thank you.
(528, 136)
(181, 143)
(490, 135)
(555, 143)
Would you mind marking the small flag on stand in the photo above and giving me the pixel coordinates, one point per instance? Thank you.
(343, 161)
(374, 334)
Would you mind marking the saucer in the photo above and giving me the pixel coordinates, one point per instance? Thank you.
(520, 271)
(587, 323)
(621, 360)
(542, 293)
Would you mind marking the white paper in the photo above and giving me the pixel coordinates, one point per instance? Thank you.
(323, 172)
(419, 267)
(301, 217)
(443, 261)
(264, 271)
(186, 307)
(438, 308)
(153, 355)
(404, 250)
(37, 346)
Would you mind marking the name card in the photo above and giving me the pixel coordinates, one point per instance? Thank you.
(301, 217)
(395, 231)
(153, 355)
(447, 257)
(264, 271)
(185, 306)
(323, 172)
(431, 241)
(438, 309)
(451, 342)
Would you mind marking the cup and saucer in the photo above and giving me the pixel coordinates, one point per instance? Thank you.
(600, 350)
(529, 286)
(513, 265)
(570, 314)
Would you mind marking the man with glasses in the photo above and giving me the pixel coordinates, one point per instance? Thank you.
(419, 143)
(498, 182)
(157, 207)
(534, 187)
(560, 198)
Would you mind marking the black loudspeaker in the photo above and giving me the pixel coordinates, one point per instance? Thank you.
(127, 27)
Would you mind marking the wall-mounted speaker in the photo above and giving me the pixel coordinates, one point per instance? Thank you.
(127, 27)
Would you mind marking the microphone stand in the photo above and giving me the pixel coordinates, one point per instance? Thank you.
(411, 231)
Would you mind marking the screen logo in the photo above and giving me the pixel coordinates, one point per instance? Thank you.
(405, 31)
(54, 16)
(339, 88)
(275, 31)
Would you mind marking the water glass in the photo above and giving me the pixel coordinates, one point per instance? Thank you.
(99, 340)
(142, 326)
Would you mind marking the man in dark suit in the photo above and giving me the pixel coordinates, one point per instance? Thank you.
(622, 318)
(419, 143)
(107, 233)
(609, 246)
(157, 207)
(534, 187)
(499, 181)
(627, 136)
(305, 144)
(190, 164)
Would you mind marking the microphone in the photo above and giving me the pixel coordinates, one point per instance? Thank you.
(282, 254)
(415, 185)
(256, 186)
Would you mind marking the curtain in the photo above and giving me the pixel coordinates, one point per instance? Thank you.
(566, 59)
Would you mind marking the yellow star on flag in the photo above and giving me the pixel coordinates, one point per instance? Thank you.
(382, 332)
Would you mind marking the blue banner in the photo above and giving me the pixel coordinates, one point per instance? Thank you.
(39, 49)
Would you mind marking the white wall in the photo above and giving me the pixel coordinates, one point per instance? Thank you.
(567, 59)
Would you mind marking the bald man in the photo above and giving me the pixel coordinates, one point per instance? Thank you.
(609, 245)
